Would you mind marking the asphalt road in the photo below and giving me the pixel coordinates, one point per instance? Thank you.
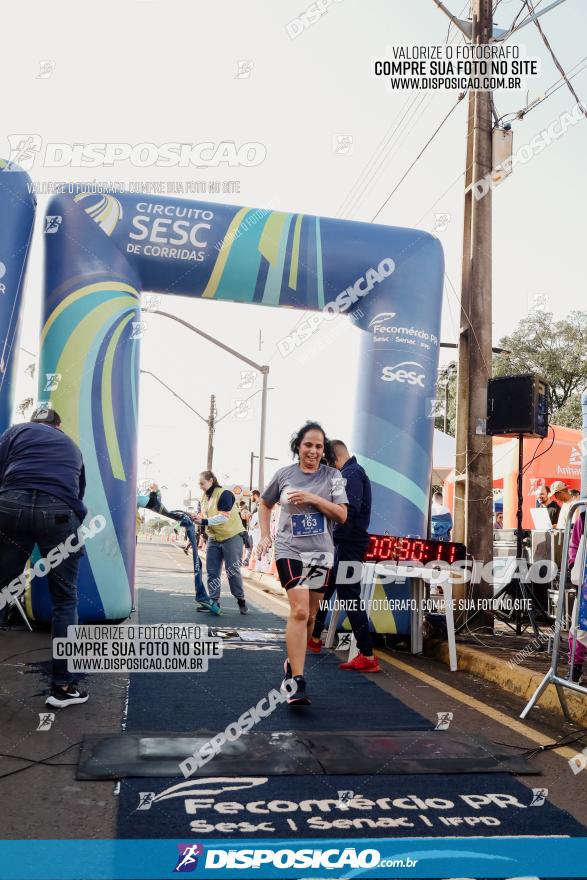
(44, 800)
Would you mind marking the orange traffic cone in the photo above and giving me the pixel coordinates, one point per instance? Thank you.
(252, 561)
(273, 568)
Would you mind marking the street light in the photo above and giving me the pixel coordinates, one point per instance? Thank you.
(253, 457)
(212, 419)
(261, 368)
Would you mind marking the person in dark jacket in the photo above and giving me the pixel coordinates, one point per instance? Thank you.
(351, 540)
(42, 485)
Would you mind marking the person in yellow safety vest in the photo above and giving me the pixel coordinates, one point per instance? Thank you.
(224, 527)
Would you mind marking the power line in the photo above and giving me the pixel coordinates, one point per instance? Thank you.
(351, 193)
(532, 11)
(549, 92)
(516, 19)
(378, 161)
(390, 147)
(384, 151)
(433, 205)
(422, 151)
(470, 323)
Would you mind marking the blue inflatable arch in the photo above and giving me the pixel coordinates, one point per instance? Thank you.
(102, 251)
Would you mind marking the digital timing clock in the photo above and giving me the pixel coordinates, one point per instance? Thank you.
(384, 548)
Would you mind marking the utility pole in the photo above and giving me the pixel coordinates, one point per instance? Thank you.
(251, 477)
(211, 429)
(261, 484)
(479, 497)
(265, 373)
(462, 389)
(473, 508)
(261, 368)
(474, 465)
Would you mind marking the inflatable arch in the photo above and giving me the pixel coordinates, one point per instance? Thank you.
(102, 251)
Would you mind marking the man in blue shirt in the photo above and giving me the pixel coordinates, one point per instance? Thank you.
(42, 485)
(351, 540)
(441, 519)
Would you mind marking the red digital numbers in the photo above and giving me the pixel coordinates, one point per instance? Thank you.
(384, 548)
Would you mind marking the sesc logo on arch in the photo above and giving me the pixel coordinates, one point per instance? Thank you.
(406, 373)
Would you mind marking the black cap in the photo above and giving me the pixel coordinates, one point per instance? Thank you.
(46, 416)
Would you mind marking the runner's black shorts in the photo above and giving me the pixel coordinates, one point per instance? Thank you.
(295, 573)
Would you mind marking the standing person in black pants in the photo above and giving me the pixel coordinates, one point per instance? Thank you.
(351, 539)
(42, 485)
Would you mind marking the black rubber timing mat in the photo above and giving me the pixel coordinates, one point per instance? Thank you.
(420, 787)
(296, 754)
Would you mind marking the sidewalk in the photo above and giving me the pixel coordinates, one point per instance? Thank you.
(501, 659)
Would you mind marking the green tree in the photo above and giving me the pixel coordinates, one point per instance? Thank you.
(557, 350)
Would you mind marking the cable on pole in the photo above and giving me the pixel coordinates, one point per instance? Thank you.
(531, 9)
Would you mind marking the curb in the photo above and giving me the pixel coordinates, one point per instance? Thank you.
(516, 680)
(263, 581)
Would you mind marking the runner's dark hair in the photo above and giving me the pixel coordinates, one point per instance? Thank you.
(328, 456)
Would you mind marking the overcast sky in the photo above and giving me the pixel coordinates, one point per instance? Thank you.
(154, 71)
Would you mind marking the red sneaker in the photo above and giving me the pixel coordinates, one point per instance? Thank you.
(314, 645)
(362, 664)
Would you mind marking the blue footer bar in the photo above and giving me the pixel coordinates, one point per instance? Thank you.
(295, 858)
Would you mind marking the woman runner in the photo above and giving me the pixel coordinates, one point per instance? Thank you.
(312, 498)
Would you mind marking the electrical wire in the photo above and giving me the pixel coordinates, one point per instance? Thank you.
(19, 653)
(363, 177)
(516, 19)
(488, 371)
(544, 451)
(386, 147)
(532, 11)
(421, 153)
(351, 193)
(567, 739)
(33, 761)
(417, 104)
(551, 90)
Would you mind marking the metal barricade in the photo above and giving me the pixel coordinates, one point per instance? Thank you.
(552, 676)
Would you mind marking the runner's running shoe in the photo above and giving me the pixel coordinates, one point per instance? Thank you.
(315, 645)
(299, 697)
(360, 663)
(70, 695)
